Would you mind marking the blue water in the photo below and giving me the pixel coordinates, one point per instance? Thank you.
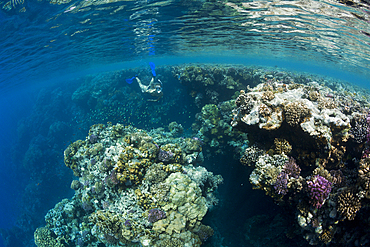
(47, 50)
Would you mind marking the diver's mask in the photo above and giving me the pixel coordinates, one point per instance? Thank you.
(158, 89)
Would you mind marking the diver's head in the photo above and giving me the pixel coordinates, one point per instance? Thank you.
(158, 89)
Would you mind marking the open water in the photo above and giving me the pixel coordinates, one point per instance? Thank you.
(48, 49)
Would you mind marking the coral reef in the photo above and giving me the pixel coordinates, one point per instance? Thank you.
(213, 127)
(73, 106)
(132, 189)
(325, 181)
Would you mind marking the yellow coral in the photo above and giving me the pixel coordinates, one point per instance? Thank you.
(282, 146)
(348, 204)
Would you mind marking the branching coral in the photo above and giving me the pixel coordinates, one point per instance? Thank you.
(319, 189)
(108, 223)
(326, 104)
(264, 110)
(281, 184)
(203, 232)
(288, 178)
(267, 96)
(282, 146)
(327, 235)
(291, 168)
(313, 95)
(155, 173)
(348, 204)
(156, 214)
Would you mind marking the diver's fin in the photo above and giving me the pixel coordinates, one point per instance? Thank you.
(152, 66)
(130, 80)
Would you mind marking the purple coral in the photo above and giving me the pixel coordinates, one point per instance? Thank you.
(281, 184)
(87, 207)
(319, 189)
(156, 214)
(111, 180)
(165, 156)
(291, 168)
(92, 161)
(93, 138)
(128, 223)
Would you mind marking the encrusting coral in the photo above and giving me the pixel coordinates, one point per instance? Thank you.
(133, 187)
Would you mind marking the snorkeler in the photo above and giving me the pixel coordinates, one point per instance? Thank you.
(154, 88)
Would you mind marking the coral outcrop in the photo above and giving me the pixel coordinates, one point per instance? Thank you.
(310, 150)
(133, 187)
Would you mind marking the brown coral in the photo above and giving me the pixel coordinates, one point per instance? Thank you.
(337, 176)
(282, 146)
(295, 113)
(313, 95)
(364, 173)
(327, 235)
(267, 96)
(244, 102)
(264, 110)
(348, 204)
(251, 155)
(326, 104)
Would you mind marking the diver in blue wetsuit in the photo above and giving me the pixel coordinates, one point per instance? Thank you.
(154, 89)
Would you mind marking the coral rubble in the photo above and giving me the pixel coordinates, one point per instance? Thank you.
(133, 187)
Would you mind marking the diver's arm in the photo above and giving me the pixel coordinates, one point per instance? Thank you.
(142, 86)
(151, 83)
